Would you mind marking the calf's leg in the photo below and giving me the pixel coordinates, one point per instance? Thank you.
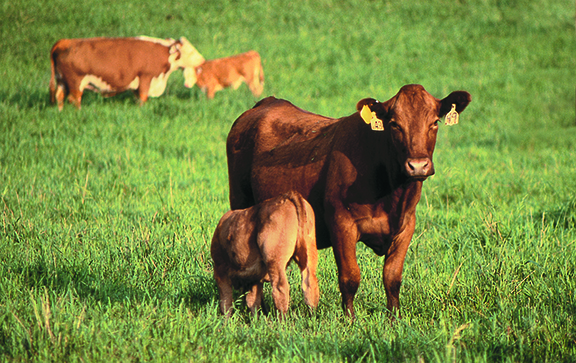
(254, 298)
(225, 291)
(307, 265)
(280, 287)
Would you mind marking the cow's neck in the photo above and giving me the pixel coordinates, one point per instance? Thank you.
(404, 192)
(400, 203)
(398, 194)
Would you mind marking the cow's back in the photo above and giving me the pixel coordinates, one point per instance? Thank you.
(105, 56)
(275, 148)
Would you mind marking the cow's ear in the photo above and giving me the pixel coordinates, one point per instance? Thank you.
(366, 101)
(459, 98)
(380, 108)
(183, 41)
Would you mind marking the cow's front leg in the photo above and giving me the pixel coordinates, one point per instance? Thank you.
(394, 264)
(143, 89)
(348, 271)
(74, 97)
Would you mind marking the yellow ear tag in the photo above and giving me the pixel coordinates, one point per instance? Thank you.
(452, 117)
(370, 117)
(366, 114)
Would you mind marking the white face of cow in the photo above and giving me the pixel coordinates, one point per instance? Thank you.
(190, 77)
(189, 59)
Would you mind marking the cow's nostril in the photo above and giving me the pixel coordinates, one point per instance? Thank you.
(419, 167)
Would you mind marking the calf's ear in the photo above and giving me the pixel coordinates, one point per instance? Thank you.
(459, 98)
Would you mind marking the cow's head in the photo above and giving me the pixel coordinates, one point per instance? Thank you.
(189, 59)
(411, 119)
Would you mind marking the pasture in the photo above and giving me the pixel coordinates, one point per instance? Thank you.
(106, 214)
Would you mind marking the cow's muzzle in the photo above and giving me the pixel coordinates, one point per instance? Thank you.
(419, 168)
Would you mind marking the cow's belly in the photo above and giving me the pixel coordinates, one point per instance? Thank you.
(96, 83)
(237, 82)
(270, 182)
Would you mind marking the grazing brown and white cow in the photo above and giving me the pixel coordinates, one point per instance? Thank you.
(114, 65)
(216, 74)
(362, 173)
(256, 244)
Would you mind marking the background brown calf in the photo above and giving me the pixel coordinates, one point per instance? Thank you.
(256, 244)
(217, 74)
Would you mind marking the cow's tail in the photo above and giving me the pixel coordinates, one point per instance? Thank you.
(53, 75)
(56, 49)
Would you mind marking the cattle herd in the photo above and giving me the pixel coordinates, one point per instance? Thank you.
(143, 64)
(298, 181)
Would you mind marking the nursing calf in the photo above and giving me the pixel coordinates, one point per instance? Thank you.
(254, 245)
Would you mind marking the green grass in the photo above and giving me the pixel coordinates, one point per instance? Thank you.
(106, 214)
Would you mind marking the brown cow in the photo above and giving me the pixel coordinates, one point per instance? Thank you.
(216, 74)
(256, 244)
(114, 65)
(363, 182)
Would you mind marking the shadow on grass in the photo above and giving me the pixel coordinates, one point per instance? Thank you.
(564, 216)
(22, 99)
(88, 285)
(200, 292)
(26, 100)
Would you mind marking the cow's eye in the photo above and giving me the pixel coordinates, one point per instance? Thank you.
(436, 122)
(394, 125)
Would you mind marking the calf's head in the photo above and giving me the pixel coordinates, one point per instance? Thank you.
(410, 119)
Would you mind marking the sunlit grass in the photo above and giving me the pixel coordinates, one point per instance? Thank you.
(106, 214)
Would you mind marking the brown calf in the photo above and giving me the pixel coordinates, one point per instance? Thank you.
(217, 74)
(361, 173)
(114, 65)
(256, 244)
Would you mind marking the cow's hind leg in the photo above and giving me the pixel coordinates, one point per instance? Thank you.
(241, 195)
(75, 91)
(59, 96)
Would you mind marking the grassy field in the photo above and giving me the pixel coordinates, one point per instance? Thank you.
(106, 214)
